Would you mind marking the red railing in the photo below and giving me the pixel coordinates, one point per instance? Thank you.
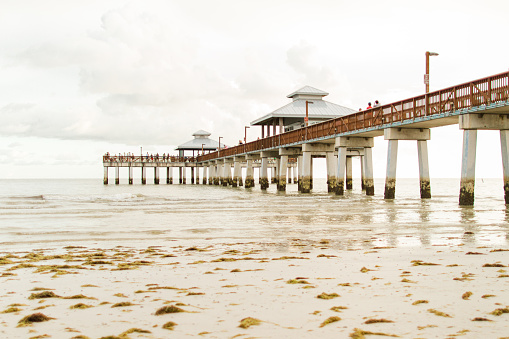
(468, 95)
(146, 159)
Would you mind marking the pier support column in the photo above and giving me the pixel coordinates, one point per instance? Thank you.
(355, 144)
(237, 172)
(467, 182)
(184, 175)
(117, 175)
(504, 143)
(169, 175)
(204, 180)
(197, 169)
(130, 175)
(218, 174)
(264, 180)
(211, 173)
(295, 174)
(349, 173)
(331, 172)
(277, 172)
(283, 169)
(227, 172)
(369, 184)
(300, 161)
(105, 181)
(390, 178)
(341, 169)
(273, 175)
(143, 175)
(422, 153)
(362, 174)
(393, 135)
(289, 174)
(156, 175)
(180, 175)
(249, 174)
(192, 175)
(305, 187)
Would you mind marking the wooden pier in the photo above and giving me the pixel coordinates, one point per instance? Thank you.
(482, 104)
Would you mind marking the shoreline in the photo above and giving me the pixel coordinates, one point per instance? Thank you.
(218, 284)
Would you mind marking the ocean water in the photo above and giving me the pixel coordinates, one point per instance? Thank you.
(40, 213)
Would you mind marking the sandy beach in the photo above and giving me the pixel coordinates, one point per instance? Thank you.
(293, 289)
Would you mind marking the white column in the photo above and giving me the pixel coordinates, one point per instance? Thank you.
(105, 175)
(504, 143)
(264, 180)
(331, 172)
(390, 179)
(283, 165)
(369, 184)
(467, 182)
(422, 153)
(306, 172)
(340, 176)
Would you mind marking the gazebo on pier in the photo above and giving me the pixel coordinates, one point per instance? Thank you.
(292, 116)
(201, 144)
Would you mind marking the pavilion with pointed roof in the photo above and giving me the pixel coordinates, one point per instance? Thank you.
(201, 143)
(291, 116)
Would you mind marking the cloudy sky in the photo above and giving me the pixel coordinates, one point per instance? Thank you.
(83, 77)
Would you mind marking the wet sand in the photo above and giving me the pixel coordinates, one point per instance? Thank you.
(294, 289)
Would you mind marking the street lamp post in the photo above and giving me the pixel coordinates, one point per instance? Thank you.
(426, 76)
(306, 119)
(219, 146)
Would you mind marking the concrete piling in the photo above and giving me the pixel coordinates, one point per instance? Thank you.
(204, 180)
(300, 161)
(467, 182)
(249, 174)
(289, 174)
(227, 176)
(283, 163)
(218, 173)
(340, 171)
(390, 178)
(143, 175)
(331, 172)
(117, 176)
(369, 184)
(105, 181)
(305, 186)
(130, 175)
(169, 175)
(197, 175)
(295, 175)
(212, 169)
(236, 170)
(156, 175)
(349, 173)
(184, 175)
(362, 174)
(264, 180)
(504, 143)
(422, 153)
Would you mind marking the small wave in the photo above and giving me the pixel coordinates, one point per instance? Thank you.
(120, 197)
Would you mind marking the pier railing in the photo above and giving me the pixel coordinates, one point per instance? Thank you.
(146, 159)
(479, 92)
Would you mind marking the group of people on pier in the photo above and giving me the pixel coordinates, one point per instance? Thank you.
(130, 157)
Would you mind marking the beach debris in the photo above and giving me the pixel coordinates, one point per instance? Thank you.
(500, 311)
(494, 265)
(474, 253)
(122, 304)
(417, 302)
(330, 320)
(132, 330)
(89, 285)
(297, 281)
(169, 309)
(327, 296)
(338, 308)
(11, 310)
(485, 296)
(170, 325)
(195, 293)
(33, 318)
(78, 296)
(365, 270)
(405, 280)
(439, 313)
(289, 258)
(375, 321)
(466, 295)
(80, 306)
(481, 319)
(43, 295)
(248, 322)
(422, 263)
(360, 334)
